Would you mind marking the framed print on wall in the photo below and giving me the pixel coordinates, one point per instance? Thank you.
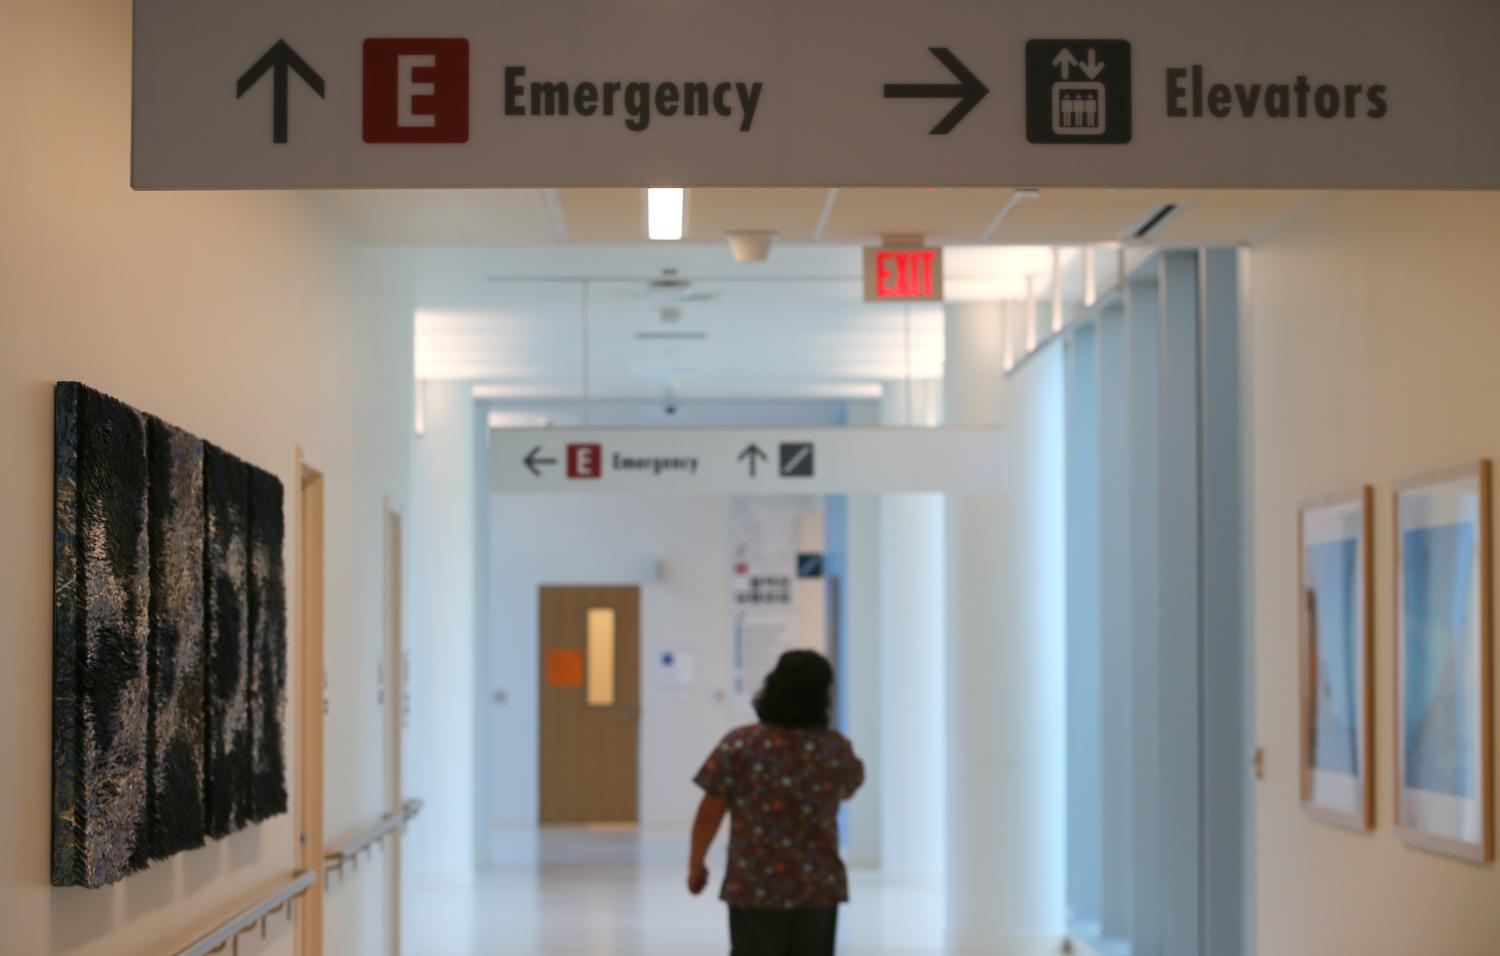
(1336, 640)
(1445, 780)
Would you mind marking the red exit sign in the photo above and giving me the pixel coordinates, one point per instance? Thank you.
(903, 275)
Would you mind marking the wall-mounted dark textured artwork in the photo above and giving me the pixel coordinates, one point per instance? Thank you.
(227, 719)
(175, 763)
(268, 661)
(101, 599)
(169, 635)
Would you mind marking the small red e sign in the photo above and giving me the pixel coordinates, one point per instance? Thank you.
(903, 275)
(585, 461)
(416, 91)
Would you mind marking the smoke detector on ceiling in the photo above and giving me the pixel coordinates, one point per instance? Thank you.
(751, 245)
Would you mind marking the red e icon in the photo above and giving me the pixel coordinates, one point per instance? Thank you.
(416, 91)
(585, 461)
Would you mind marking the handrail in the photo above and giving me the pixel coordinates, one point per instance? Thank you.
(282, 898)
(350, 850)
(229, 931)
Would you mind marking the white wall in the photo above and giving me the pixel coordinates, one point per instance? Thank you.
(1005, 617)
(246, 318)
(1373, 344)
(608, 539)
(911, 659)
(861, 680)
(444, 584)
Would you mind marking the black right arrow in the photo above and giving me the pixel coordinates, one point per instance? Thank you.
(754, 455)
(531, 461)
(968, 90)
(280, 58)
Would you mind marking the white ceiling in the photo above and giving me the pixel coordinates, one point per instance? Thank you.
(541, 295)
(540, 218)
(526, 323)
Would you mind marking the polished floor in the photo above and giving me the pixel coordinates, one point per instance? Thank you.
(599, 893)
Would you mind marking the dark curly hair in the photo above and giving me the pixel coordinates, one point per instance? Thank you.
(798, 693)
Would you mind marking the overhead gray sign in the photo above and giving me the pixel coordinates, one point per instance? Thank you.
(747, 461)
(537, 93)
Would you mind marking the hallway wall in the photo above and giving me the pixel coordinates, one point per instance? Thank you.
(1005, 619)
(248, 319)
(445, 603)
(911, 760)
(1373, 343)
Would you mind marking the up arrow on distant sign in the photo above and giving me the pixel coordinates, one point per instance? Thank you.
(754, 455)
(278, 60)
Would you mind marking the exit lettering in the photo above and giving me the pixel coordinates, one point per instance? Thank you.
(903, 275)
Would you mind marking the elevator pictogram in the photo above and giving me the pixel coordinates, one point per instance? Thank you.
(1078, 91)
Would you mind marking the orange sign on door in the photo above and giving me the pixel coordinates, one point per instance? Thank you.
(565, 668)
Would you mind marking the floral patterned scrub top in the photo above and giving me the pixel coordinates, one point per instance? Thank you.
(784, 787)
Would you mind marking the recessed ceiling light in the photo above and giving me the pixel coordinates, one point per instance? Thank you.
(664, 208)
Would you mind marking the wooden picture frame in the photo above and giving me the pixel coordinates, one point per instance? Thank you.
(1444, 607)
(1335, 598)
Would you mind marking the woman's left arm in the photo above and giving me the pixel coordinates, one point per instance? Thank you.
(854, 774)
(705, 827)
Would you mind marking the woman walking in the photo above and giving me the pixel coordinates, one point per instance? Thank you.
(781, 781)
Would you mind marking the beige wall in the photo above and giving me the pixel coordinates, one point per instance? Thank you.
(246, 318)
(1374, 342)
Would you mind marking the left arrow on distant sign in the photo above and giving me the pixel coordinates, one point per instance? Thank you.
(278, 61)
(533, 460)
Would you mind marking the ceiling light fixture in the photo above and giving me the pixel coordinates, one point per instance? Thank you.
(664, 209)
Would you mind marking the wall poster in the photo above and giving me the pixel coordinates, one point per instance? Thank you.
(772, 610)
(1444, 684)
(1336, 645)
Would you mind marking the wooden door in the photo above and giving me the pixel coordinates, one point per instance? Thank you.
(590, 704)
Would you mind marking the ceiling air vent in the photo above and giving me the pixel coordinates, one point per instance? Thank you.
(1154, 221)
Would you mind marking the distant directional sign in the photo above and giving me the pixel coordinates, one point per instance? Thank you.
(968, 91)
(747, 461)
(279, 61)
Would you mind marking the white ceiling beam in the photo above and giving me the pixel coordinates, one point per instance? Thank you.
(826, 214)
(556, 215)
(1016, 198)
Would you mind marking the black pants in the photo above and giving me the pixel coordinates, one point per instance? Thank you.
(806, 932)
